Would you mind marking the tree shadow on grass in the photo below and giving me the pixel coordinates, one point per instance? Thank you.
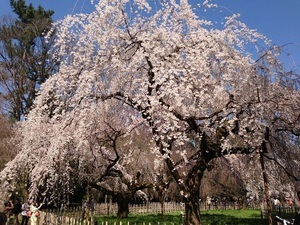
(143, 219)
(207, 219)
(230, 220)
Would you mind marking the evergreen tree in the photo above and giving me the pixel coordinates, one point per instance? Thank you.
(25, 59)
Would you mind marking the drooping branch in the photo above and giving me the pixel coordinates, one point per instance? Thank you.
(289, 173)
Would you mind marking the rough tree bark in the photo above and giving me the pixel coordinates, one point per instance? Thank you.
(192, 198)
(265, 176)
(123, 206)
(192, 210)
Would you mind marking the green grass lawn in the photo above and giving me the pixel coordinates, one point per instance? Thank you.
(215, 217)
(232, 217)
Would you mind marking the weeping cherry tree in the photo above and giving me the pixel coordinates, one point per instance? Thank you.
(197, 88)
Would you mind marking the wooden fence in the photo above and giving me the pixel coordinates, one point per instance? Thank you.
(74, 216)
(287, 212)
(149, 208)
(155, 207)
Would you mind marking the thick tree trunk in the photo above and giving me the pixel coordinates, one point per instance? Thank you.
(123, 207)
(192, 199)
(264, 149)
(192, 211)
(266, 189)
(191, 194)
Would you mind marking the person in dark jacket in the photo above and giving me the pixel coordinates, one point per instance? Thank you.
(2, 218)
(16, 211)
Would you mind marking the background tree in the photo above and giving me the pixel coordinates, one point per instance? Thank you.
(6, 149)
(196, 88)
(106, 153)
(25, 60)
(25, 63)
(225, 180)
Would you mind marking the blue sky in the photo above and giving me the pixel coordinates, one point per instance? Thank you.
(279, 20)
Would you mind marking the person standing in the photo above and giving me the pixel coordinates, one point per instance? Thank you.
(2, 218)
(34, 213)
(16, 211)
(24, 213)
(8, 207)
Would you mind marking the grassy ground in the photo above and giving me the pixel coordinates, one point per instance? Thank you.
(216, 217)
(232, 217)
